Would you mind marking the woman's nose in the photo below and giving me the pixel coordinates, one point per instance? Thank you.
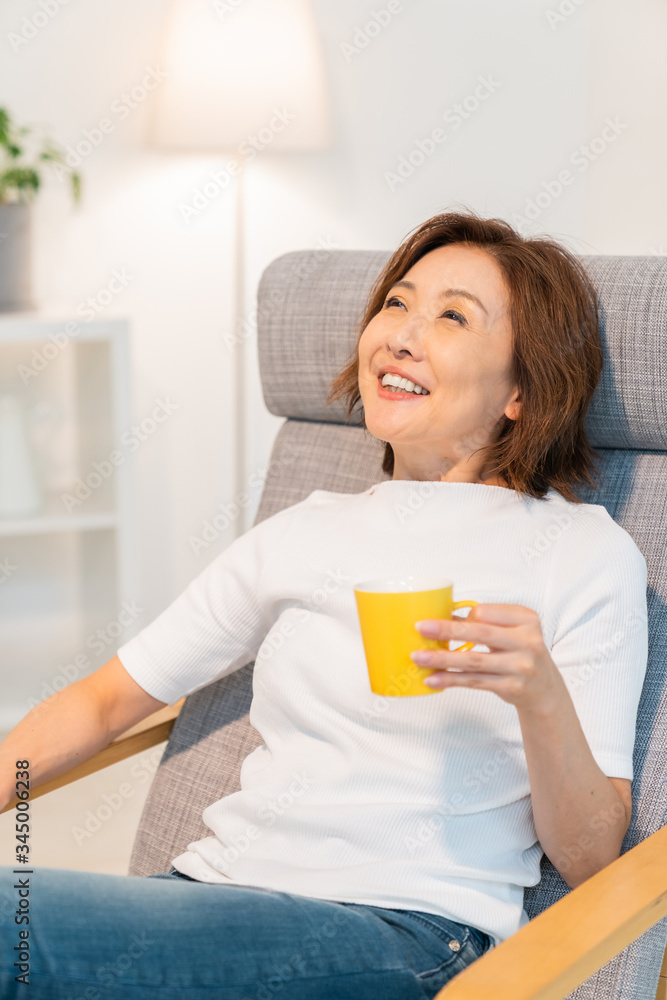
(408, 335)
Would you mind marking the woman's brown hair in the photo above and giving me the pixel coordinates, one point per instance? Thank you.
(556, 351)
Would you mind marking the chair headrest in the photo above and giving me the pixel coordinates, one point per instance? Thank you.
(310, 304)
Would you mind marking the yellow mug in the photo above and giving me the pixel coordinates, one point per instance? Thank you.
(388, 610)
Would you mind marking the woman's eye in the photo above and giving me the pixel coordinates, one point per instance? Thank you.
(450, 313)
(456, 316)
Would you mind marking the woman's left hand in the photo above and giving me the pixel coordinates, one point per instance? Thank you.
(518, 667)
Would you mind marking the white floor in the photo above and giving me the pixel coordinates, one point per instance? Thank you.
(89, 825)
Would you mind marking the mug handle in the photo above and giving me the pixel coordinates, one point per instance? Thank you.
(463, 604)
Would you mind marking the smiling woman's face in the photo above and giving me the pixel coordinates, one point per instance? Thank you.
(446, 327)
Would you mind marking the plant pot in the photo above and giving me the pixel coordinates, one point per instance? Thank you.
(15, 258)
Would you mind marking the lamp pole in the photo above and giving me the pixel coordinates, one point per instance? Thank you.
(239, 344)
(225, 80)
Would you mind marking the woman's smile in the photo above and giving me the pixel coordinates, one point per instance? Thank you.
(396, 395)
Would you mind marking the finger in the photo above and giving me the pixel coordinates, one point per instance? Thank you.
(448, 679)
(504, 614)
(493, 636)
(468, 661)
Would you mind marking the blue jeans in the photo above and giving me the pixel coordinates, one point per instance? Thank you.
(114, 937)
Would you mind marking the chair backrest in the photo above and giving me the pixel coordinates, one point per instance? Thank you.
(309, 307)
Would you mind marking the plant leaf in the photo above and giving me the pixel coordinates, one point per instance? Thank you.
(5, 127)
(23, 180)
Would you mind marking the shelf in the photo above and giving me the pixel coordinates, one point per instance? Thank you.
(68, 585)
(41, 325)
(48, 525)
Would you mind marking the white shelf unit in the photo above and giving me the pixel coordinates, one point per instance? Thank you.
(72, 564)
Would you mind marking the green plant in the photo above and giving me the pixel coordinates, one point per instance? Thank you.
(20, 177)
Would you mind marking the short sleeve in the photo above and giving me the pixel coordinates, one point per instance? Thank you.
(215, 626)
(600, 643)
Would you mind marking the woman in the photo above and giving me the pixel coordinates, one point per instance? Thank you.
(380, 845)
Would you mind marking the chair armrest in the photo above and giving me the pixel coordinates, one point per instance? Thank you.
(565, 944)
(152, 730)
(662, 981)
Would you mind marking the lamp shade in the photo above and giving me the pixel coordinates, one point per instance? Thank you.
(241, 71)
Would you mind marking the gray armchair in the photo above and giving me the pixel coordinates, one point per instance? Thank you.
(309, 305)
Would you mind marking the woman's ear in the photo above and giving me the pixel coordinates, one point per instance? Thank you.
(513, 408)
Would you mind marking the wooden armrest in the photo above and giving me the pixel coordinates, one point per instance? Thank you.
(152, 730)
(563, 946)
(662, 981)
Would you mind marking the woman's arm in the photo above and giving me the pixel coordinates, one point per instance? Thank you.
(73, 724)
(581, 815)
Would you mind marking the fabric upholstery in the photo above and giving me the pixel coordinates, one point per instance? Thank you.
(309, 306)
(325, 291)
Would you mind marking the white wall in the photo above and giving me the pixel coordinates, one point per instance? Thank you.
(555, 84)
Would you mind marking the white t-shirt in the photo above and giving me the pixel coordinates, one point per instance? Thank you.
(411, 802)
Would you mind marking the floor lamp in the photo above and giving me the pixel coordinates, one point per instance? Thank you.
(244, 77)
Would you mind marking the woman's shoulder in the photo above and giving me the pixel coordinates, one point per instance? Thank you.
(589, 528)
(322, 498)
(313, 501)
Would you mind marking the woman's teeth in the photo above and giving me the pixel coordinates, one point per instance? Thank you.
(396, 383)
